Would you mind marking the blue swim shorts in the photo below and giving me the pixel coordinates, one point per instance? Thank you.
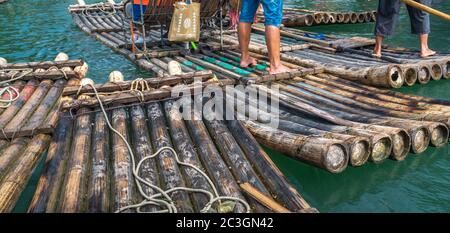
(137, 11)
(273, 11)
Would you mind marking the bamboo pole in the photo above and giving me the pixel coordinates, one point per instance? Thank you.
(209, 155)
(186, 150)
(16, 179)
(48, 189)
(73, 197)
(280, 189)
(169, 171)
(427, 9)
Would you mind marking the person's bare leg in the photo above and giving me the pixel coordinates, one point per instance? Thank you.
(424, 50)
(273, 46)
(244, 31)
(378, 45)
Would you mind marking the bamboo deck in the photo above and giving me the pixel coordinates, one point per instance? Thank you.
(351, 58)
(89, 169)
(293, 17)
(28, 123)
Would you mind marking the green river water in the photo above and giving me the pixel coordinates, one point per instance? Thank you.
(35, 30)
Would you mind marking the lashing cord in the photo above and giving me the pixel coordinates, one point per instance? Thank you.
(161, 198)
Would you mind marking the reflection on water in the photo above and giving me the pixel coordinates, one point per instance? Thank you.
(39, 29)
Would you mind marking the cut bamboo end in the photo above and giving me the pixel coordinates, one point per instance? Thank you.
(336, 158)
(381, 150)
(318, 18)
(424, 74)
(446, 69)
(361, 18)
(436, 71)
(353, 18)
(326, 18)
(420, 139)
(309, 20)
(401, 142)
(396, 79)
(439, 135)
(332, 17)
(410, 75)
(368, 17)
(340, 18)
(359, 153)
(347, 17)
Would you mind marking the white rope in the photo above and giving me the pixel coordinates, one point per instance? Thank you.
(162, 199)
(12, 92)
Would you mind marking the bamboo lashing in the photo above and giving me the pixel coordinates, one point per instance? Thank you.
(427, 9)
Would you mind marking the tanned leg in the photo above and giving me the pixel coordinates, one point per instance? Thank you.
(244, 31)
(273, 46)
(378, 44)
(424, 50)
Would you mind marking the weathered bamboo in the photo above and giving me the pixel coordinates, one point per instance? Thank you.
(324, 153)
(72, 194)
(98, 188)
(16, 179)
(215, 166)
(43, 110)
(358, 147)
(411, 74)
(11, 111)
(235, 158)
(424, 74)
(280, 189)
(42, 65)
(385, 107)
(400, 136)
(127, 97)
(169, 170)
(436, 71)
(187, 153)
(143, 147)
(11, 153)
(50, 183)
(263, 199)
(419, 132)
(383, 76)
(152, 82)
(123, 189)
(28, 108)
(381, 143)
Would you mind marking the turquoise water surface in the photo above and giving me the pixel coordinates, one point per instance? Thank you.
(39, 29)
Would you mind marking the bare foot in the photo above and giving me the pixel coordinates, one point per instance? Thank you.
(249, 61)
(376, 53)
(427, 53)
(279, 69)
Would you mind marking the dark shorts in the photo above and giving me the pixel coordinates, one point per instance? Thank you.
(273, 11)
(388, 11)
(137, 11)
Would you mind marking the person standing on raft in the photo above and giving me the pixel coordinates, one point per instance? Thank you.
(388, 11)
(273, 14)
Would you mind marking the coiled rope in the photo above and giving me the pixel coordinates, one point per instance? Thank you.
(162, 199)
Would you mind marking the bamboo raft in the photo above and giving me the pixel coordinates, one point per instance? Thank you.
(294, 17)
(89, 169)
(29, 121)
(348, 58)
(351, 58)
